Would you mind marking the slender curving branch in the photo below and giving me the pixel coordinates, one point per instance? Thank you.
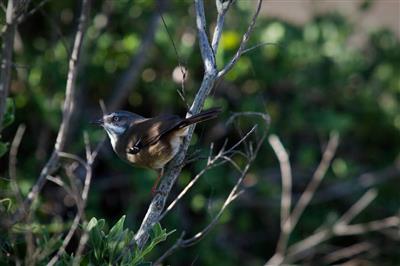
(81, 199)
(12, 166)
(243, 43)
(286, 172)
(211, 163)
(68, 109)
(316, 180)
(290, 223)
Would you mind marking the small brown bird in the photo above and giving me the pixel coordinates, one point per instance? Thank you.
(149, 142)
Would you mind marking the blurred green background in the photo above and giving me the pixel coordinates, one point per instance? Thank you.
(310, 79)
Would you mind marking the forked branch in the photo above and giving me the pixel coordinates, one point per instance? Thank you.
(173, 169)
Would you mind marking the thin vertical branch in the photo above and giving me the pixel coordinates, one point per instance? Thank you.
(12, 166)
(316, 179)
(6, 57)
(68, 109)
(207, 53)
(222, 8)
(286, 173)
(81, 203)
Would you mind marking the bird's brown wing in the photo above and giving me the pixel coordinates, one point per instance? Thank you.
(149, 131)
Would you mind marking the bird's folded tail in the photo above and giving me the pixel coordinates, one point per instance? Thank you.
(202, 116)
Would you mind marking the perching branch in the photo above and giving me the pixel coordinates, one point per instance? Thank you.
(68, 109)
(173, 169)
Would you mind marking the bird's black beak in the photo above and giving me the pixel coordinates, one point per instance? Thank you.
(98, 122)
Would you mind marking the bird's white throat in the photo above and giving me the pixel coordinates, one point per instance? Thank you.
(113, 132)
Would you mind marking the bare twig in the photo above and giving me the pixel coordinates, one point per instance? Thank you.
(357, 207)
(37, 7)
(81, 204)
(248, 50)
(58, 181)
(243, 43)
(182, 68)
(13, 162)
(211, 163)
(347, 252)
(341, 227)
(173, 168)
(298, 250)
(316, 179)
(69, 106)
(286, 172)
(103, 106)
(235, 192)
(222, 8)
(15, 188)
(304, 200)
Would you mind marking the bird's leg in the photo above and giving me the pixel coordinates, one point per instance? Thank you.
(154, 188)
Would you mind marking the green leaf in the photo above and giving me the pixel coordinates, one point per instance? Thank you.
(157, 230)
(157, 235)
(9, 113)
(117, 229)
(96, 236)
(6, 202)
(92, 223)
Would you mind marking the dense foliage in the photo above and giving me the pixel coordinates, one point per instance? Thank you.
(310, 79)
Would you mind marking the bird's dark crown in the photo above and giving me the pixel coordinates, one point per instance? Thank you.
(120, 119)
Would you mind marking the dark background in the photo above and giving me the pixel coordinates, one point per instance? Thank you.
(311, 81)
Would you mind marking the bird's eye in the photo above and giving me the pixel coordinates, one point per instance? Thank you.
(115, 118)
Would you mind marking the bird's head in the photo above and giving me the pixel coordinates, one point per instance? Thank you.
(116, 123)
